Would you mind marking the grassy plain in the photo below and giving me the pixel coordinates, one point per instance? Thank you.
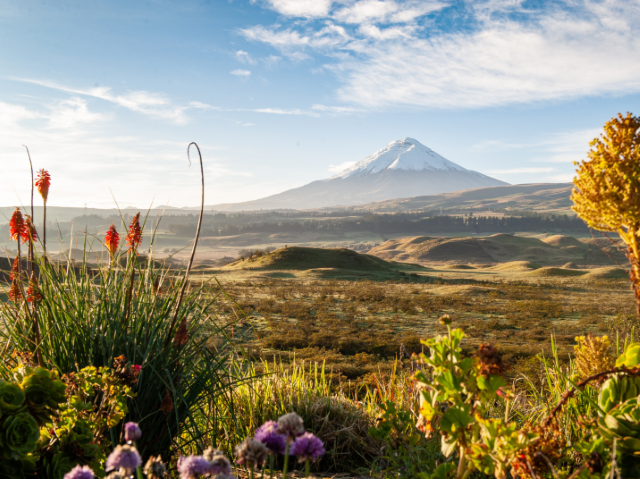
(359, 313)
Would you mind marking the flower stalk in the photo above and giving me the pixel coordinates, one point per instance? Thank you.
(43, 183)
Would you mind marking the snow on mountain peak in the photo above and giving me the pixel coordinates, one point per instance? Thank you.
(406, 154)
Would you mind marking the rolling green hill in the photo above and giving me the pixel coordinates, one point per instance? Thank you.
(302, 258)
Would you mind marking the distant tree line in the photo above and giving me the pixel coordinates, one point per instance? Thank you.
(229, 224)
(393, 223)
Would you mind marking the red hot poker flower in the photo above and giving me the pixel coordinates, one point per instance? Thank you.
(42, 183)
(16, 225)
(134, 236)
(29, 232)
(15, 294)
(33, 291)
(15, 269)
(112, 240)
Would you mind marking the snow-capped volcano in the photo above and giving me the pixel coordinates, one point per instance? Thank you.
(402, 169)
(405, 154)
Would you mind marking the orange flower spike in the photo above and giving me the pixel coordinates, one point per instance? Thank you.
(33, 292)
(134, 236)
(15, 269)
(112, 240)
(29, 232)
(15, 294)
(43, 183)
(16, 225)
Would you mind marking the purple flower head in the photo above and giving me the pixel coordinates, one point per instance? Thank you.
(307, 447)
(219, 464)
(78, 472)
(251, 453)
(123, 457)
(132, 432)
(193, 467)
(268, 435)
(291, 426)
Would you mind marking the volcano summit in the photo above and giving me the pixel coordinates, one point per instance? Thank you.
(402, 169)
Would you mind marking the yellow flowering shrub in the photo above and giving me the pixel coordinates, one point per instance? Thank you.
(607, 187)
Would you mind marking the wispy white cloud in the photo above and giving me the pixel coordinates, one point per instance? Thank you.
(274, 111)
(241, 73)
(152, 104)
(86, 162)
(278, 39)
(341, 166)
(513, 53)
(72, 112)
(336, 109)
(301, 8)
(373, 11)
(513, 171)
(278, 111)
(244, 57)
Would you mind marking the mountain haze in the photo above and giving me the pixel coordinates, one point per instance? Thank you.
(402, 169)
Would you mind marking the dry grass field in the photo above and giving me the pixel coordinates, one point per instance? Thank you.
(360, 314)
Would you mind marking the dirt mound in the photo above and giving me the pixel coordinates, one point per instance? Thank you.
(606, 273)
(570, 265)
(447, 249)
(498, 248)
(301, 258)
(550, 272)
(561, 241)
(515, 266)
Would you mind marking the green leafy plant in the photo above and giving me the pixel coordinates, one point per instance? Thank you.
(405, 452)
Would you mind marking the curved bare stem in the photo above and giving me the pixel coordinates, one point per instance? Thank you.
(193, 250)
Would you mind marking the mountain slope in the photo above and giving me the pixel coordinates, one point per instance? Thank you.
(542, 197)
(402, 169)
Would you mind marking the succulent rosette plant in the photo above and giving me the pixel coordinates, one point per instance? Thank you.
(11, 398)
(59, 465)
(19, 434)
(43, 391)
(22, 468)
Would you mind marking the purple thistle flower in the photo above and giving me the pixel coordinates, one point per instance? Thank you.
(132, 432)
(307, 447)
(193, 467)
(268, 435)
(124, 457)
(78, 472)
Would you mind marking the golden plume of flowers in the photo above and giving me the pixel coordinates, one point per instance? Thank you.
(607, 187)
(593, 355)
(134, 235)
(112, 240)
(43, 183)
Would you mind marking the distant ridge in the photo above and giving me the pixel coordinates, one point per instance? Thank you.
(401, 169)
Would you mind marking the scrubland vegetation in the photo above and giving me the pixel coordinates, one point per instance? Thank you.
(372, 368)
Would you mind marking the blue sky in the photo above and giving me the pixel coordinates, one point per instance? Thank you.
(278, 93)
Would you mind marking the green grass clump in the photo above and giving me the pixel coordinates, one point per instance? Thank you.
(130, 315)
